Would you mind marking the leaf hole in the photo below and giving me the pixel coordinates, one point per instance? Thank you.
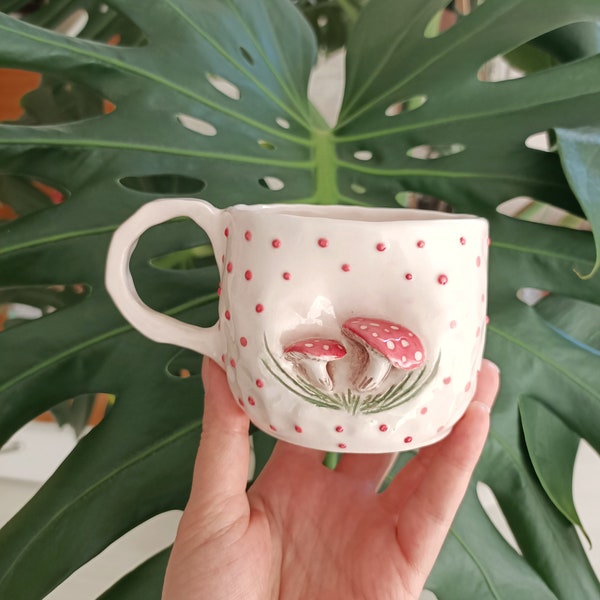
(433, 152)
(271, 183)
(185, 364)
(21, 196)
(529, 209)
(283, 123)
(197, 257)
(21, 304)
(530, 296)
(164, 184)
(81, 412)
(363, 155)
(449, 16)
(266, 145)
(540, 141)
(404, 106)
(224, 86)
(246, 55)
(358, 189)
(74, 24)
(493, 510)
(197, 125)
(33, 99)
(322, 21)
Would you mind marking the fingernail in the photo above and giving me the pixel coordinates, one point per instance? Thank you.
(481, 406)
(493, 365)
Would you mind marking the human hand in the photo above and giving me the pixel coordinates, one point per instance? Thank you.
(303, 531)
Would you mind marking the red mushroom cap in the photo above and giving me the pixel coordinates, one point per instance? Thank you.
(317, 349)
(398, 344)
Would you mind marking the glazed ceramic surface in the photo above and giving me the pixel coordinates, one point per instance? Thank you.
(340, 328)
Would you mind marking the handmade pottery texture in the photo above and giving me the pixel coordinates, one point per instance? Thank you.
(341, 328)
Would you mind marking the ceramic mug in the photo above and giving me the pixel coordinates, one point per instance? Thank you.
(341, 328)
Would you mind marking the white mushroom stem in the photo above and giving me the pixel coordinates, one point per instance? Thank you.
(375, 371)
(315, 372)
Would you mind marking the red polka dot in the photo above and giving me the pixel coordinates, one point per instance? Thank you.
(478, 261)
(408, 276)
(468, 387)
(272, 428)
(248, 235)
(381, 247)
(232, 362)
(227, 315)
(339, 429)
(443, 279)
(226, 232)
(259, 308)
(298, 428)
(383, 427)
(345, 267)
(424, 410)
(447, 380)
(222, 258)
(342, 446)
(420, 244)
(287, 276)
(260, 383)
(408, 439)
(452, 324)
(483, 297)
(323, 242)
(229, 267)
(440, 428)
(243, 341)
(222, 358)
(251, 401)
(276, 243)
(463, 241)
(248, 275)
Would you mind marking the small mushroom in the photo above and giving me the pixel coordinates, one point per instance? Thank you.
(387, 344)
(312, 356)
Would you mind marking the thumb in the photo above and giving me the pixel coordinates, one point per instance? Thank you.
(221, 469)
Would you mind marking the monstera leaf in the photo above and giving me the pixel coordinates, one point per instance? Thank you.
(216, 96)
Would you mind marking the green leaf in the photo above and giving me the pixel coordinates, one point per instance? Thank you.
(403, 91)
(543, 432)
(143, 583)
(580, 154)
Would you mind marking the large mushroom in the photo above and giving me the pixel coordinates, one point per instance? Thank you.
(387, 344)
(311, 358)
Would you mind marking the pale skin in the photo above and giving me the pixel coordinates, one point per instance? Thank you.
(303, 531)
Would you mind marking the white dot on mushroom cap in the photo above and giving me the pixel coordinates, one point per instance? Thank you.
(404, 343)
(390, 344)
(363, 327)
(374, 334)
(394, 327)
(411, 334)
(403, 359)
(308, 345)
(418, 355)
(325, 347)
(374, 324)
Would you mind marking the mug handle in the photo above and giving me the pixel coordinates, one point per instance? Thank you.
(119, 283)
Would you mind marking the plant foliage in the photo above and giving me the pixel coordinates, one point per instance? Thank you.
(215, 93)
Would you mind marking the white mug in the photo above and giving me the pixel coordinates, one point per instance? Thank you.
(345, 329)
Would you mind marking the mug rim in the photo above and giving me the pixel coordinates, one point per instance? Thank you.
(337, 212)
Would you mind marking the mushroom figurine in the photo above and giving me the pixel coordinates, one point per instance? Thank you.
(387, 344)
(311, 358)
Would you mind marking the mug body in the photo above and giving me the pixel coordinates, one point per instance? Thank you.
(352, 329)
